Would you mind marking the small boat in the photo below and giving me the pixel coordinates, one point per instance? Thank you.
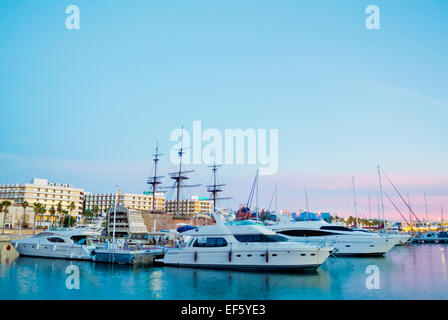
(246, 246)
(59, 243)
(432, 237)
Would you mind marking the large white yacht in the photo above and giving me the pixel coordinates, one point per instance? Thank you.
(65, 244)
(345, 241)
(246, 246)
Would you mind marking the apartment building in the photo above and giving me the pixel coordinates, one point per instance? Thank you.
(195, 205)
(48, 194)
(141, 202)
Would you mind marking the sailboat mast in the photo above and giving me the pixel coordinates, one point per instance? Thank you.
(441, 211)
(426, 211)
(410, 214)
(370, 208)
(257, 195)
(276, 196)
(354, 201)
(306, 202)
(381, 197)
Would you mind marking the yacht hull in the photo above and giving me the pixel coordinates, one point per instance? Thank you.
(73, 252)
(248, 259)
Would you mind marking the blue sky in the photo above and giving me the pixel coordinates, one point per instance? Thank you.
(85, 106)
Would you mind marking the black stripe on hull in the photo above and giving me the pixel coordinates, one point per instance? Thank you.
(257, 268)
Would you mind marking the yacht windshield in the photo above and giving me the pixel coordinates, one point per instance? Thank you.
(259, 238)
(336, 228)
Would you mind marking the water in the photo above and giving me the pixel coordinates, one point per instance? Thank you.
(414, 272)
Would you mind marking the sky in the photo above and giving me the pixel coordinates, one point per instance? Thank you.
(87, 106)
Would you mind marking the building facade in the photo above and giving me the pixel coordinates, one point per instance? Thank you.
(141, 202)
(49, 195)
(195, 205)
(128, 223)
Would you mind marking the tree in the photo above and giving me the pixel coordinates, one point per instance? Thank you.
(1, 209)
(88, 214)
(69, 221)
(71, 207)
(59, 211)
(95, 211)
(5, 205)
(52, 213)
(37, 207)
(24, 205)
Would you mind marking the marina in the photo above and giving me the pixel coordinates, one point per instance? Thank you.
(418, 271)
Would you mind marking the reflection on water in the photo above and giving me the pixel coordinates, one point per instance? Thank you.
(415, 272)
(7, 252)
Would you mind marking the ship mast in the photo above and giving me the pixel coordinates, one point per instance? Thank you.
(215, 188)
(180, 175)
(154, 180)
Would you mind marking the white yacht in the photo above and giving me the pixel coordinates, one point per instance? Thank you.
(247, 246)
(345, 241)
(65, 244)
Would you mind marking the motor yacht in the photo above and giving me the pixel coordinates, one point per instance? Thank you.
(59, 243)
(247, 246)
(346, 241)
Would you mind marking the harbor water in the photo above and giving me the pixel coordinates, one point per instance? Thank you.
(409, 272)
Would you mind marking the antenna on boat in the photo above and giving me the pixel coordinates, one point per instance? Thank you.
(306, 202)
(381, 197)
(354, 201)
(154, 180)
(115, 210)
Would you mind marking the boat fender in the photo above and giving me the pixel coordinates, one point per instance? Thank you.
(8, 247)
(267, 256)
(195, 256)
(230, 256)
(92, 253)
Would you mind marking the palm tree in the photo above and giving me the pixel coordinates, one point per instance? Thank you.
(59, 211)
(24, 205)
(52, 213)
(95, 210)
(6, 205)
(37, 207)
(1, 208)
(71, 207)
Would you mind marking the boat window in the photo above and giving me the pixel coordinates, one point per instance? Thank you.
(79, 239)
(335, 228)
(259, 238)
(210, 242)
(55, 239)
(305, 233)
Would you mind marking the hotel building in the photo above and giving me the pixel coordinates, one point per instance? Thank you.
(46, 193)
(141, 202)
(195, 205)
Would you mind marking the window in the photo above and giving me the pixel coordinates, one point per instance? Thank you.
(55, 239)
(210, 242)
(259, 238)
(305, 233)
(336, 228)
